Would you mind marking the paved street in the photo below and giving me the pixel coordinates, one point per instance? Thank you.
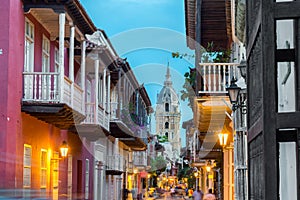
(167, 196)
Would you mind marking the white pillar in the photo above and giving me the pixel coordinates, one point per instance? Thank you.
(108, 93)
(62, 19)
(71, 63)
(110, 187)
(82, 78)
(96, 65)
(116, 146)
(104, 92)
(119, 94)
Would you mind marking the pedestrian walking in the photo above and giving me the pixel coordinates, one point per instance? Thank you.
(190, 193)
(198, 194)
(209, 195)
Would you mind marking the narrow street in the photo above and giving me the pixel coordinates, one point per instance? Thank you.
(150, 100)
(167, 196)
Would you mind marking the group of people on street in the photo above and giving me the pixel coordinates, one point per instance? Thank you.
(198, 195)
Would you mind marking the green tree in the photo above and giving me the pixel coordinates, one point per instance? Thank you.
(188, 91)
(158, 163)
(162, 139)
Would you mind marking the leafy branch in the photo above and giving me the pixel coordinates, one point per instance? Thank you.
(208, 55)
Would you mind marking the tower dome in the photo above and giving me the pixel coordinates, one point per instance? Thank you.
(167, 115)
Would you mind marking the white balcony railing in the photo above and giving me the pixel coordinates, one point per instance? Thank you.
(78, 98)
(96, 116)
(140, 158)
(114, 110)
(115, 162)
(43, 87)
(90, 113)
(217, 76)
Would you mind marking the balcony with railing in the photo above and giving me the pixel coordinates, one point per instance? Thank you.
(96, 123)
(124, 126)
(215, 77)
(46, 99)
(211, 108)
(140, 159)
(115, 164)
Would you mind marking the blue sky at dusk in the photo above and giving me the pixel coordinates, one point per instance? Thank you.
(146, 33)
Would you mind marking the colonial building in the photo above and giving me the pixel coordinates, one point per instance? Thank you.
(211, 23)
(67, 87)
(273, 98)
(167, 116)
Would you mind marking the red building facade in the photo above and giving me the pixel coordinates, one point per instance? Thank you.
(31, 164)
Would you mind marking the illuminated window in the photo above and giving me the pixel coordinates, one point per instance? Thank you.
(44, 165)
(55, 174)
(27, 166)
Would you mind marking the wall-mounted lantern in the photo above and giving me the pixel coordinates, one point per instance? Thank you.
(64, 149)
(223, 139)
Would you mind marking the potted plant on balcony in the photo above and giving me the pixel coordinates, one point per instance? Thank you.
(210, 55)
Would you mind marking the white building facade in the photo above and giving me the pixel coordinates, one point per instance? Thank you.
(168, 116)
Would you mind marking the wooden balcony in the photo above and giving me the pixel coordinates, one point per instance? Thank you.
(213, 103)
(126, 130)
(96, 123)
(43, 99)
(211, 114)
(115, 165)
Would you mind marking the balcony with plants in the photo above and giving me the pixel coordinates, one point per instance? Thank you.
(130, 107)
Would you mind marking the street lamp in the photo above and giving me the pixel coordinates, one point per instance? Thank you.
(208, 168)
(243, 69)
(233, 92)
(239, 110)
(223, 139)
(64, 149)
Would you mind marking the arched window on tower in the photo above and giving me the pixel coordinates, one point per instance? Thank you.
(167, 107)
(167, 125)
(167, 135)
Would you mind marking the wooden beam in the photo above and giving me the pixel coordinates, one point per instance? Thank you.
(285, 55)
(287, 10)
(288, 120)
(255, 130)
